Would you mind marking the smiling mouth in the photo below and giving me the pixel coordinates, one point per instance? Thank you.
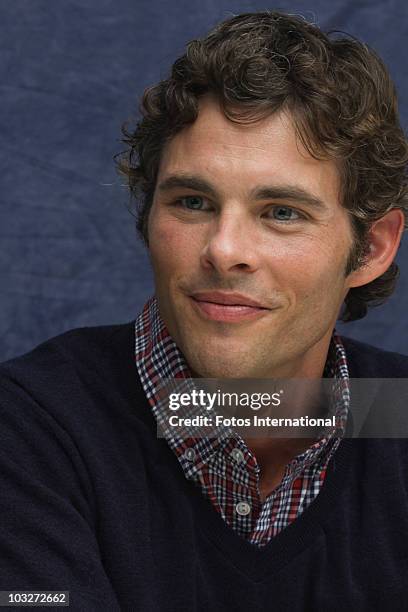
(227, 308)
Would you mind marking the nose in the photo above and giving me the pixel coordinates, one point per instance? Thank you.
(231, 244)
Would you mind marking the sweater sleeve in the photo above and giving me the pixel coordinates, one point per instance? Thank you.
(48, 518)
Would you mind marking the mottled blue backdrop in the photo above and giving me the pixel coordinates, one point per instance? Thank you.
(71, 72)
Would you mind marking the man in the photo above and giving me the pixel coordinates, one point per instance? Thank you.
(271, 170)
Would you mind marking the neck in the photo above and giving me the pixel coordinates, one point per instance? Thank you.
(273, 457)
(273, 454)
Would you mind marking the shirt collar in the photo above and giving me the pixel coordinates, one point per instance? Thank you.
(158, 357)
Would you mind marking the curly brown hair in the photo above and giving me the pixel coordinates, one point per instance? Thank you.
(340, 95)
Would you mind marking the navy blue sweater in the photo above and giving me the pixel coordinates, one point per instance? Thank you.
(92, 502)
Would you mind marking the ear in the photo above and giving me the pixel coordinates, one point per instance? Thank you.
(384, 239)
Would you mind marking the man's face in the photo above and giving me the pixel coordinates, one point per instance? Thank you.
(248, 243)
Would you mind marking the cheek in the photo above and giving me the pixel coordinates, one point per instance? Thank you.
(310, 270)
(171, 247)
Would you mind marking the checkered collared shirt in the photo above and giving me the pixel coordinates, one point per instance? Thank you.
(225, 469)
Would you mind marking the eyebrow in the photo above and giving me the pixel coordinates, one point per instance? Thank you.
(262, 192)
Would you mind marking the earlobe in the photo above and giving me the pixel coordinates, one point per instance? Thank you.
(384, 239)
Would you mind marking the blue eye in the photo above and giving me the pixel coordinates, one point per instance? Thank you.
(285, 213)
(192, 202)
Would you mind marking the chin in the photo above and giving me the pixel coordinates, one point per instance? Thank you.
(226, 373)
(206, 366)
(209, 356)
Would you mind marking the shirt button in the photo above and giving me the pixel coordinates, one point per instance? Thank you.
(190, 454)
(243, 508)
(237, 455)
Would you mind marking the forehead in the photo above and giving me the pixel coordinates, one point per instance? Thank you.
(239, 156)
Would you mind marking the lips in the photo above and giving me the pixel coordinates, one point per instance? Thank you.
(227, 307)
(230, 299)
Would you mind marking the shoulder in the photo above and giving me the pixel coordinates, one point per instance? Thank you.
(83, 344)
(367, 361)
(65, 366)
